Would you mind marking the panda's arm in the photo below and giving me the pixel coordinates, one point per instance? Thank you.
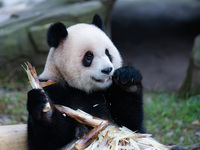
(126, 98)
(47, 130)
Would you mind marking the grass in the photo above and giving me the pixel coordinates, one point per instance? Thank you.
(13, 101)
(170, 119)
(12, 107)
(173, 120)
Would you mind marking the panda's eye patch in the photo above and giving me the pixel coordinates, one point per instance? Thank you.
(87, 59)
(108, 54)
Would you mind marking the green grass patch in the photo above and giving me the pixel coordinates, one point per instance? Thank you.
(13, 100)
(173, 120)
(12, 107)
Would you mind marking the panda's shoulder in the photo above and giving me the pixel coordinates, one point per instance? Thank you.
(56, 87)
(57, 92)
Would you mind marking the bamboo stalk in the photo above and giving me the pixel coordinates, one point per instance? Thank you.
(81, 117)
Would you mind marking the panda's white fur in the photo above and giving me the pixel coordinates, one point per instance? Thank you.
(64, 63)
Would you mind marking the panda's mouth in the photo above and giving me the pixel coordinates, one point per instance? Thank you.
(106, 79)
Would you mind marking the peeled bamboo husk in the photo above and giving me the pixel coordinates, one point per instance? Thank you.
(115, 138)
(103, 136)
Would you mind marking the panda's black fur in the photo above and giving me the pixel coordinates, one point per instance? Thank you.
(120, 103)
(56, 33)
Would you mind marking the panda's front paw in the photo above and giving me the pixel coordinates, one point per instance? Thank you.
(36, 103)
(127, 78)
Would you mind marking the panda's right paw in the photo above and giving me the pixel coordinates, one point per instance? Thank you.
(36, 102)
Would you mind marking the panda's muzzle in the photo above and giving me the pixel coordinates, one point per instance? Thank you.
(102, 80)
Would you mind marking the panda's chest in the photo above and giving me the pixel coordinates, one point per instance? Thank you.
(95, 104)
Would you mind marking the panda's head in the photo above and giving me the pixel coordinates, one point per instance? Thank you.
(81, 55)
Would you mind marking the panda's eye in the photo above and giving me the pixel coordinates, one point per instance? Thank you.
(87, 59)
(108, 54)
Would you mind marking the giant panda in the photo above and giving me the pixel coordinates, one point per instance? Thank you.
(89, 75)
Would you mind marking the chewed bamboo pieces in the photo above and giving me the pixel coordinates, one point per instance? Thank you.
(121, 138)
(109, 137)
(84, 142)
(103, 136)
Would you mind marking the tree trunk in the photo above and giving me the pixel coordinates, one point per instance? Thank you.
(191, 85)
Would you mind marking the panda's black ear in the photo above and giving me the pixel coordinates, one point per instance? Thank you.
(56, 33)
(97, 21)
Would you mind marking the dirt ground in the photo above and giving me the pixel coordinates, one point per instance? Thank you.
(159, 47)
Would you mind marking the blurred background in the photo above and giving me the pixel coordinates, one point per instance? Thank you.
(161, 38)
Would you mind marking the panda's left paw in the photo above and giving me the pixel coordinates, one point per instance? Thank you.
(128, 78)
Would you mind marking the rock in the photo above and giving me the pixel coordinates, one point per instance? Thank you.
(191, 85)
(159, 32)
(23, 37)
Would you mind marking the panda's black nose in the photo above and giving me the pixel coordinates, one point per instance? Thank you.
(107, 70)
